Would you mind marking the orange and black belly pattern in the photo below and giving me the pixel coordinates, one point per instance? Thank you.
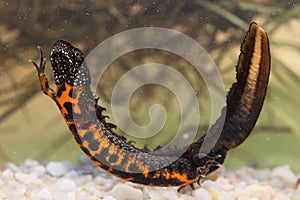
(113, 154)
(109, 151)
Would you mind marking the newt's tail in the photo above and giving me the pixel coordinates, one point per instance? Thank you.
(246, 96)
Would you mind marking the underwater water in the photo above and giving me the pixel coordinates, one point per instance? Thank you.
(31, 126)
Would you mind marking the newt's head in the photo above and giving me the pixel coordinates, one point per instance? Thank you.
(68, 64)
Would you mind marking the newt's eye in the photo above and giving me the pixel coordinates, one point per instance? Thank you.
(77, 53)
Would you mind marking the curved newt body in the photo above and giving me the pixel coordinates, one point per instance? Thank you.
(109, 151)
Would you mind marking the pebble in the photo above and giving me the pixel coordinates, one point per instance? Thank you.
(58, 169)
(13, 167)
(43, 194)
(170, 195)
(62, 180)
(109, 198)
(281, 196)
(295, 195)
(39, 170)
(285, 174)
(257, 191)
(202, 193)
(226, 196)
(31, 163)
(66, 184)
(126, 192)
(7, 174)
(21, 177)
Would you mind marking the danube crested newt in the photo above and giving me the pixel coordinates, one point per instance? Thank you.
(111, 152)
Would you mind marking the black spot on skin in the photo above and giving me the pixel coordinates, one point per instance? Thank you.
(89, 136)
(61, 90)
(100, 156)
(134, 168)
(71, 93)
(73, 128)
(68, 107)
(85, 126)
(69, 117)
(93, 145)
(113, 158)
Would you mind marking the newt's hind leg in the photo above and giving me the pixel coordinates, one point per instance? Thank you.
(42, 76)
(210, 165)
(181, 188)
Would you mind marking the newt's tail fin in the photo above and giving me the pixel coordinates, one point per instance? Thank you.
(246, 96)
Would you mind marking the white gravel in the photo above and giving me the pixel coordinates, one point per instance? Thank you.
(62, 180)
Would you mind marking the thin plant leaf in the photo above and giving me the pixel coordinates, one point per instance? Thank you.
(283, 18)
(284, 116)
(287, 69)
(224, 13)
(292, 45)
(253, 7)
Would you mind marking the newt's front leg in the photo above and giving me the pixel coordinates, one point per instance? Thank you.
(42, 76)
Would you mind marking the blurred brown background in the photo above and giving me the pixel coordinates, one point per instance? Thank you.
(31, 125)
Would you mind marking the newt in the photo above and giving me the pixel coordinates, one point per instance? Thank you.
(106, 149)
